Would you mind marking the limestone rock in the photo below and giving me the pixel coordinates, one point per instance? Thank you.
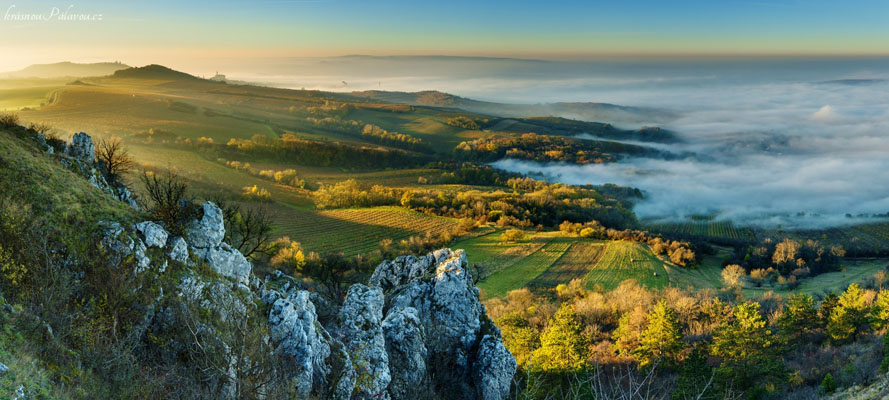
(465, 358)
(82, 148)
(209, 230)
(3, 368)
(494, 369)
(407, 354)
(362, 333)
(295, 332)
(153, 233)
(227, 262)
(178, 250)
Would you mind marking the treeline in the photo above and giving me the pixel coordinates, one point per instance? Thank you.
(530, 203)
(705, 345)
(544, 148)
(789, 259)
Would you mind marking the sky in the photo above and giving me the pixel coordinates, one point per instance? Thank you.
(163, 30)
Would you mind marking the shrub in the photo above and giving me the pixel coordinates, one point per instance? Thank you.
(512, 235)
(9, 120)
(168, 200)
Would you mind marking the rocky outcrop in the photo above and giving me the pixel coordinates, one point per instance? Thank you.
(361, 331)
(3, 368)
(296, 333)
(205, 235)
(153, 234)
(209, 230)
(81, 148)
(417, 331)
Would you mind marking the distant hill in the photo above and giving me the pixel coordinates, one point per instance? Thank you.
(581, 111)
(153, 71)
(66, 69)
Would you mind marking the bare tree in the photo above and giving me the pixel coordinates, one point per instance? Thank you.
(115, 157)
(167, 199)
(247, 229)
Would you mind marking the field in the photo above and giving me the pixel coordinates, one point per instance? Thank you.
(525, 270)
(354, 231)
(704, 227)
(576, 263)
(622, 260)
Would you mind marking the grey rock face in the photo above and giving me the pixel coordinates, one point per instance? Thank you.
(405, 345)
(295, 331)
(81, 148)
(209, 230)
(494, 369)
(3, 368)
(178, 250)
(459, 360)
(227, 262)
(362, 333)
(153, 234)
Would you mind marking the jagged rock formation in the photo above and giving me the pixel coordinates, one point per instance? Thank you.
(418, 326)
(79, 156)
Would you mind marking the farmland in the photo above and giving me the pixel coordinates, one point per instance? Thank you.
(622, 260)
(354, 231)
(706, 228)
(576, 263)
(524, 271)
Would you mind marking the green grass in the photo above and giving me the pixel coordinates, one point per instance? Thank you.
(622, 260)
(525, 270)
(576, 263)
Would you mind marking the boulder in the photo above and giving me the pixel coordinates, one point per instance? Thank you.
(81, 148)
(178, 250)
(3, 368)
(361, 331)
(153, 234)
(208, 231)
(227, 262)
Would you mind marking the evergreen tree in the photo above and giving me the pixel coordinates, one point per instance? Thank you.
(661, 339)
(848, 317)
(799, 316)
(562, 345)
(880, 313)
(747, 348)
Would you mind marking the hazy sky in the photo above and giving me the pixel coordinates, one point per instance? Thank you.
(163, 30)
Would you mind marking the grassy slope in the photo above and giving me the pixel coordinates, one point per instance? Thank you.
(622, 260)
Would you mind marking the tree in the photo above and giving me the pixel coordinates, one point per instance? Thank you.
(880, 313)
(114, 156)
(799, 316)
(733, 276)
(661, 339)
(333, 272)
(745, 337)
(518, 337)
(786, 252)
(629, 327)
(849, 316)
(247, 229)
(512, 235)
(562, 343)
(288, 255)
(747, 348)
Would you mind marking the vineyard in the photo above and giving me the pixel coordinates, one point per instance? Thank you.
(705, 227)
(355, 231)
(580, 258)
(622, 260)
(525, 270)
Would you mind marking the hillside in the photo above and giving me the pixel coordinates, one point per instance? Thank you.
(586, 111)
(65, 70)
(98, 305)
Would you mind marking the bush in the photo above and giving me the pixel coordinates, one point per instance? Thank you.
(168, 200)
(9, 120)
(512, 235)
